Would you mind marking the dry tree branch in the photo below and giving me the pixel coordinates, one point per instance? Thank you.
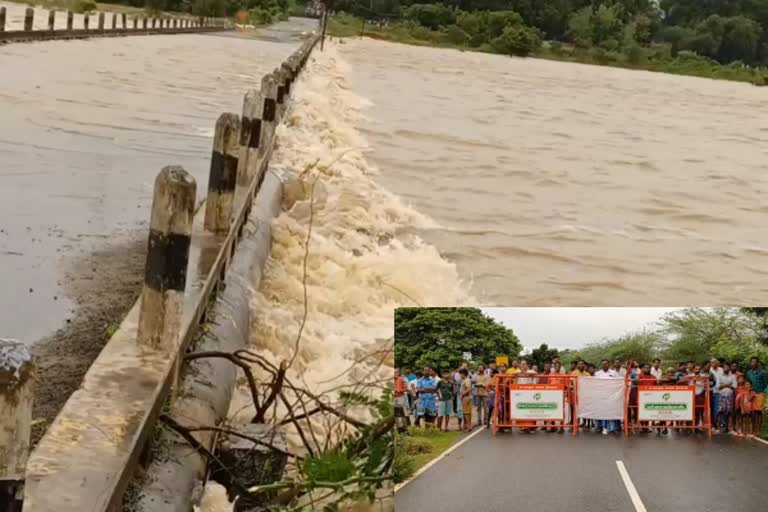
(234, 359)
(243, 436)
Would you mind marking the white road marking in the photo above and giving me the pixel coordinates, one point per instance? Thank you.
(761, 440)
(437, 459)
(636, 501)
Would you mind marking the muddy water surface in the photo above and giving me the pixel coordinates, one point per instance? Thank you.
(557, 183)
(85, 127)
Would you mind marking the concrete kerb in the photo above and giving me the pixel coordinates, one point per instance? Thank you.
(112, 415)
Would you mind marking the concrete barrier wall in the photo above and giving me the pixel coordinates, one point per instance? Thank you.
(91, 451)
(23, 24)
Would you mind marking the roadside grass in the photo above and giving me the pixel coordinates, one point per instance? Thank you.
(657, 59)
(764, 433)
(419, 446)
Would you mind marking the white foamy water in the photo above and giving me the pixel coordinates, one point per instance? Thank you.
(364, 259)
(563, 184)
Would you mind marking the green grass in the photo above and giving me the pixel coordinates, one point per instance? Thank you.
(438, 443)
(649, 59)
(764, 433)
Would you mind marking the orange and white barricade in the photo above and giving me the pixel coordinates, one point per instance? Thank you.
(533, 401)
(670, 406)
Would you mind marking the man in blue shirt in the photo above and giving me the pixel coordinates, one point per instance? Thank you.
(759, 379)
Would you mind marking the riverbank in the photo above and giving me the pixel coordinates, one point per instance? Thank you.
(656, 59)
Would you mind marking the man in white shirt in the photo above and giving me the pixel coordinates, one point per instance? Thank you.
(606, 372)
(656, 370)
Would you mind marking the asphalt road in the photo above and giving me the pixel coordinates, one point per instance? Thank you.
(554, 472)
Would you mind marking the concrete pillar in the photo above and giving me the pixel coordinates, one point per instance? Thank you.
(268, 112)
(29, 16)
(223, 176)
(114, 21)
(175, 21)
(86, 20)
(250, 136)
(17, 377)
(154, 22)
(144, 23)
(125, 20)
(2, 19)
(288, 74)
(51, 20)
(101, 21)
(279, 75)
(135, 23)
(165, 274)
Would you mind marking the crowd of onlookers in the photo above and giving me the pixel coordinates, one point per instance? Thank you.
(736, 398)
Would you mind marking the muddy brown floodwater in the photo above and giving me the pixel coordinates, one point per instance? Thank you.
(85, 128)
(553, 183)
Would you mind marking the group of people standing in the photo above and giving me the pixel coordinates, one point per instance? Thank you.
(736, 398)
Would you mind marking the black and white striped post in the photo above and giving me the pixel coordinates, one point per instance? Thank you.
(70, 20)
(17, 378)
(289, 74)
(268, 112)
(135, 23)
(29, 16)
(223, 176)
(86, 21)
(144, 24)
(2, 19)
(51, 20)
(114, 21)
(124, 20)
(175, 22)
(154, 22)
(101, 22)
(250, 136)
(165, 274)
(280, 77)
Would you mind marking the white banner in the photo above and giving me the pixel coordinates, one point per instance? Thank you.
(665, 403)
(601, 399)
(537, 403)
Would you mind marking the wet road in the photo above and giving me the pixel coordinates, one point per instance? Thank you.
(86, 126)
(556, 472)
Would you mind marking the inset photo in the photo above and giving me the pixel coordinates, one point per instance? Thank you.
(573, 408)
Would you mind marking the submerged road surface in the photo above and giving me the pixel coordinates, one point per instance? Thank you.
(555, 472)
(86, 126)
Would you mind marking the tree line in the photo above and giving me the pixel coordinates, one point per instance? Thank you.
(440, 338)
(725, 31)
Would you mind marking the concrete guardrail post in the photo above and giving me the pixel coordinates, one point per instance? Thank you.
(29, 16)
(144, 22)
(268, 112)
(165, 274)
(223, 176)
(114, 21)
(154, 21)
(288, 72)
(86, 21)
(124, 20)
(135, 23)
(101, 21)
(70, 20)
(175, 22)
(279, 74)
(51, 20)
(17, 377)
(250, 135)
(2, 19)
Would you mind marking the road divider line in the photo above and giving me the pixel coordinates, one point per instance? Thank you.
(636, 501)
(434, 461)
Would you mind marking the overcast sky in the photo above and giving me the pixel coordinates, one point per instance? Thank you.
(573, 327)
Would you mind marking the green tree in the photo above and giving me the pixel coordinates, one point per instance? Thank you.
(517, 40)
(438, 337)
(541, 355)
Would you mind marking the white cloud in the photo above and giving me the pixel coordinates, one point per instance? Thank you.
(574, 327)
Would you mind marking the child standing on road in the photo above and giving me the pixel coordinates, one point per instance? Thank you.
(445, 394)
(465, 394)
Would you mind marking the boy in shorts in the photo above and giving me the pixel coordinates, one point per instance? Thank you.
(445, 407)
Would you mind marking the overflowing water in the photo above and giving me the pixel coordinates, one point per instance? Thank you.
(552, 183)
(85, 127)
